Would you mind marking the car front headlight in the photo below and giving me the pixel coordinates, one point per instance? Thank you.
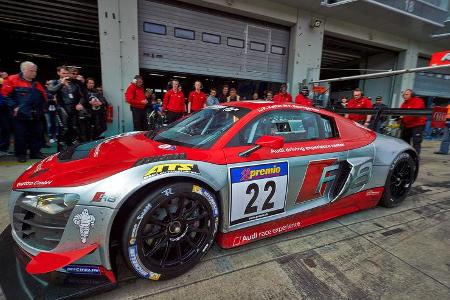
(51, 203)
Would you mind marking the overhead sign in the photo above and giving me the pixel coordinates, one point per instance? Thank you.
(439, 117)
(440, 58)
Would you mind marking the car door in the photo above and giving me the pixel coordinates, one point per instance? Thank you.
(273, 183)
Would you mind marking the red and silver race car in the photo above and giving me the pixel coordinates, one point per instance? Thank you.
(230, 174)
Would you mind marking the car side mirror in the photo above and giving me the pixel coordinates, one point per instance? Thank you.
(272, 142)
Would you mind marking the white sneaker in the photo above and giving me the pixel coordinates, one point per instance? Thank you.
(51, 141)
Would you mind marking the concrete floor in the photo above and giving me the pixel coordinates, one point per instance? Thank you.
(400, 253)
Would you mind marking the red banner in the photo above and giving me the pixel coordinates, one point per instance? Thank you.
(439, 117)
(440, 58)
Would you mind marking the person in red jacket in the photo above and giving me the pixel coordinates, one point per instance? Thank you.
(413, 127)
(302, 97)
(135, 96)
(26, 99)
(197, 99)
(283, 95)
(173, 103)
(359, 102)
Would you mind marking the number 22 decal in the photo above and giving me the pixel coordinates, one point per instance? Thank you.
(250, 208)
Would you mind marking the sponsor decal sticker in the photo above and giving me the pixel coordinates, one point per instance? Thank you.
(172, 168)
(85, 222)
(372, 193)
(257, 191)
(288, 106)
(247, 238)
(103, 197)
(144, 211)
(319, 178)
(34, 183)
(167, 192)
(167, 147)
(308, 148)
(83, 269)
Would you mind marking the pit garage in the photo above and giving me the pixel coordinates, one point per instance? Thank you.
(190, 42)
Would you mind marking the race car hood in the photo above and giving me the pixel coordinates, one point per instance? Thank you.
(97, 160)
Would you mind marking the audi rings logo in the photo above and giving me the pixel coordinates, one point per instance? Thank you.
(439, 116)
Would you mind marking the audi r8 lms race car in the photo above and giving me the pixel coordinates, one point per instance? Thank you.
(230, 174)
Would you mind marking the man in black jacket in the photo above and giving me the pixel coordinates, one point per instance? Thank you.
(97, 107)
(72, 101)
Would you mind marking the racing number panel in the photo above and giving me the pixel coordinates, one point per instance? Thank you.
(257, 191)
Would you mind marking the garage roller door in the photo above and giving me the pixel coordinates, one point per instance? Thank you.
(187, 39)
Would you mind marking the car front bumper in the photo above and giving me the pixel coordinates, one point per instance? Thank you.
(16, 283)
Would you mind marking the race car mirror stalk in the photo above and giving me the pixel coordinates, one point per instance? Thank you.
(273, 142)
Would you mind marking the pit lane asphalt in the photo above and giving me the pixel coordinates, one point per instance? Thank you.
(400, 253)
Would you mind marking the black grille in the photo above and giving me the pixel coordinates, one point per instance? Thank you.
(343, 172)
(38, 229)
(152, 159)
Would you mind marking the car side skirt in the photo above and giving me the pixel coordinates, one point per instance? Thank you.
(352, 203)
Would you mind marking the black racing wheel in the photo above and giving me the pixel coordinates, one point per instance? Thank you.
(399, 180)
(170, 230)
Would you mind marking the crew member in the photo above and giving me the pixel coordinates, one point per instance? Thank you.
(359, 102)
(173, 103)
(197, 99)
(98, 106)
(413, 127)
(382, 119)
(283, 95)
(135, 96)
(302, 98)
(26, 98)
(446, 138)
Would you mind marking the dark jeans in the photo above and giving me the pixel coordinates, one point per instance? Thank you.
(173, 116)
(50, 118)
(5, 128)
(27, 132)
(98, 123)
(139, 119)
(414, 134)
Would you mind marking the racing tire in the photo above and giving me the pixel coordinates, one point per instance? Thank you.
(399, 180)
(170, 230)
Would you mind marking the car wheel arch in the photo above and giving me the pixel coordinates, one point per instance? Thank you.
(134, 198)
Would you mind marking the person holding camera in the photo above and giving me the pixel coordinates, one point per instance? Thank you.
(72, 102)
(26, 99)
(135, 96)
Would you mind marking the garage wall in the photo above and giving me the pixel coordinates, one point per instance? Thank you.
(251, 57)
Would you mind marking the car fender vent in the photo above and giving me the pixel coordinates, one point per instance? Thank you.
(147, 160)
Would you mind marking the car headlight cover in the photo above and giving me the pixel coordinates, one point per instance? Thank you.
(51, 203)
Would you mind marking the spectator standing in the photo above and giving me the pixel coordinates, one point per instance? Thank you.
(196, 99)
(283, 95)
(5, 120)
(255, 96)
(173, 103)
(50, 114)
(344, 102)
(359, 102)
(98, 104)
(26, 98)
(135, 96)
(233, 96)
(212, 99)
(413, 127)
(269, 96)
(446, 138)
(381, 122)
(225, 93)
(302, 98)
(71, 99)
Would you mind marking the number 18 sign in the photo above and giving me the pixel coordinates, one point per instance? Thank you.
(257, 191)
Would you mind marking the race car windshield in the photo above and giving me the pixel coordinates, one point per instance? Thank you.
(202, 129)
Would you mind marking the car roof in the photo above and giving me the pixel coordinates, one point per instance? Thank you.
(255, 104)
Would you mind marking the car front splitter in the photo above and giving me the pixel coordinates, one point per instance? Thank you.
(16, 283)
